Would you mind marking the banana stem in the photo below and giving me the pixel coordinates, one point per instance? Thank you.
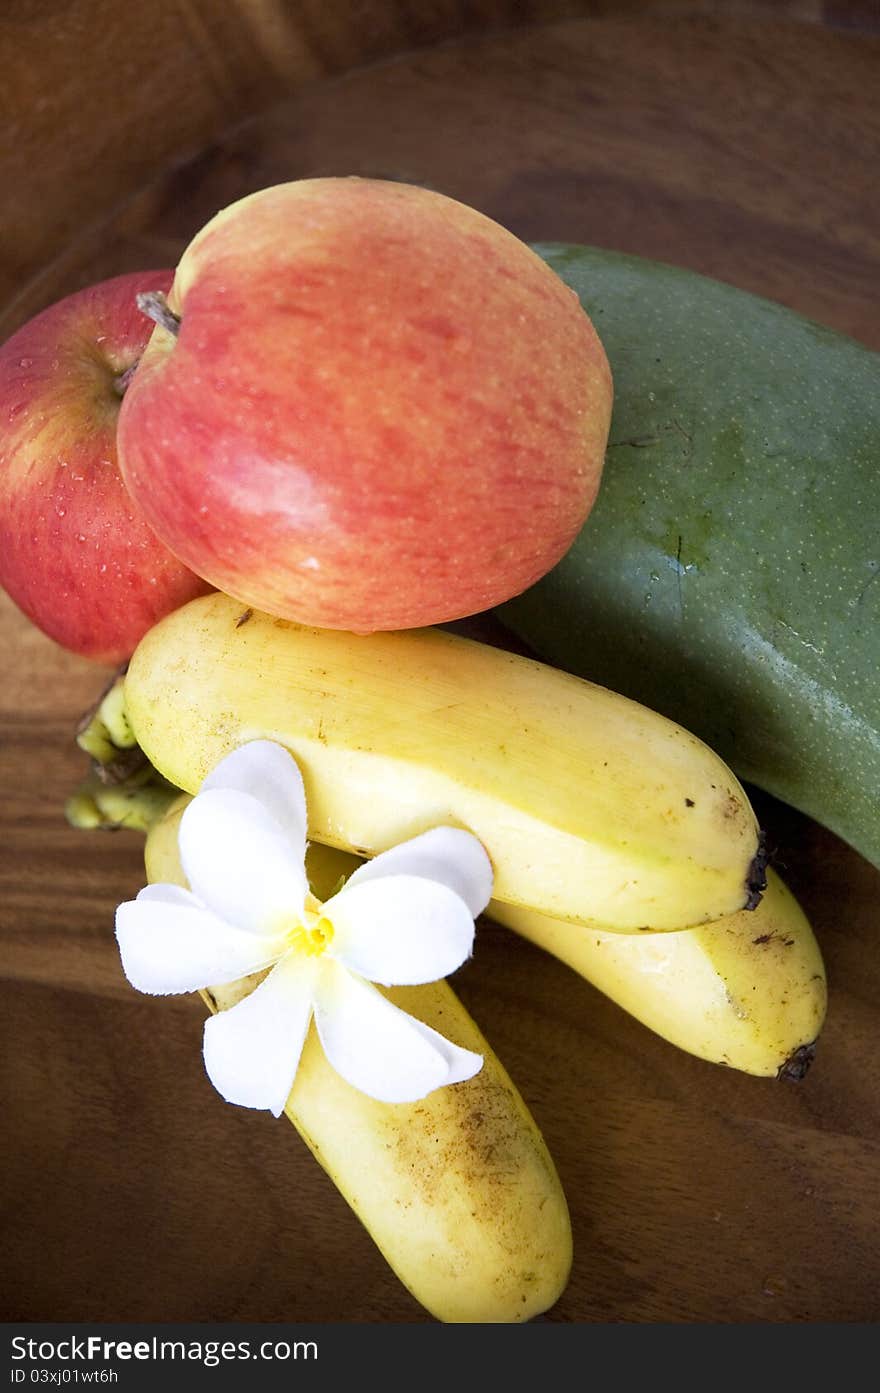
(122, 788)
(105, 733)
(136, 803)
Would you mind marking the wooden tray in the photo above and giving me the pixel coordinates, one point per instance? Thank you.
(741, 147)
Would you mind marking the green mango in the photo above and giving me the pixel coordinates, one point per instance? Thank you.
(729, 574)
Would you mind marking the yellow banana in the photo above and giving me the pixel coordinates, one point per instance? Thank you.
(747, 991)
(592, 808)
(458, 1190)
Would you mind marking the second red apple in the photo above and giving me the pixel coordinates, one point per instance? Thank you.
(76, 554)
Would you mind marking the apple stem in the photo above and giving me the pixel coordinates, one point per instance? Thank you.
(153, 304)
(121, 382)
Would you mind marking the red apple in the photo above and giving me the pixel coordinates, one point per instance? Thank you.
(76, 554)
(379, 409)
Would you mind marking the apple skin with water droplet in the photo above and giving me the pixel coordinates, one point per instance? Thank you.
(76, 553)
(380, 410)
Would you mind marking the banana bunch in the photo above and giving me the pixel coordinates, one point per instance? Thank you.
(603, 822)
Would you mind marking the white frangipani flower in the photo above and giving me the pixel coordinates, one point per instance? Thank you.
(405, 917)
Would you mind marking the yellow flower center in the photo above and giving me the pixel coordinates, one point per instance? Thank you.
(311, 932)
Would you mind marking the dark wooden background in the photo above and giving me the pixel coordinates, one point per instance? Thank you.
(740, 140)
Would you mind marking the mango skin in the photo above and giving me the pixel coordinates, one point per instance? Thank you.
(729, 574)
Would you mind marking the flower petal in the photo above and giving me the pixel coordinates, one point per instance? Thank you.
(164, 893)
(270, 774)
(378, 1048)
(171, 944)
(239, 862)
(462, 1064)
(449, 855)
(400, 929)
(252, 1051)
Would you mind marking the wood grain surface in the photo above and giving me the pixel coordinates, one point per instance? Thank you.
(740, 146)
(97, 95)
